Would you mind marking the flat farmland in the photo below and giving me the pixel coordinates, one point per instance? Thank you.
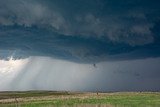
(78, 99)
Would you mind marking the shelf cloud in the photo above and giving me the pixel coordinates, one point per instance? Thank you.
(79, 34)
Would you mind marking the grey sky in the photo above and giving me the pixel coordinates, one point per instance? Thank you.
(53, 44)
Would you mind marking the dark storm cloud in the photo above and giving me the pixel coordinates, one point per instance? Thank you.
(91, 32)
(79, 30)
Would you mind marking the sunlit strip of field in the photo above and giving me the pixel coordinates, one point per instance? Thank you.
(50, 98)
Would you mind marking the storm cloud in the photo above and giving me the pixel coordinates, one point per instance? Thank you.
(84, 31)
(79, 34)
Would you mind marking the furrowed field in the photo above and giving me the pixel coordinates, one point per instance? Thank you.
(50, 99)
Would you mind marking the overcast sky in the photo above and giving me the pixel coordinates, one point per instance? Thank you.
(80, 45)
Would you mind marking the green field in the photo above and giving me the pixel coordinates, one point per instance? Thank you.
(50, 99)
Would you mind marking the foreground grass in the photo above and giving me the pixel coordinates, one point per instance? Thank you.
(41, 99)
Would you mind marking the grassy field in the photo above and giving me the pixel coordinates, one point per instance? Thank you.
(50, 99)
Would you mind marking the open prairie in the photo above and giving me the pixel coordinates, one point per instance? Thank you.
(53, 98)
